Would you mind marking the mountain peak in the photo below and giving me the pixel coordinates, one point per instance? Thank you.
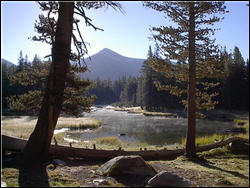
(109, 64)
(106, 51)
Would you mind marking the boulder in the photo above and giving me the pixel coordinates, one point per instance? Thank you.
(166, 179)
(127, 165)
(58, 162)
(239, 147)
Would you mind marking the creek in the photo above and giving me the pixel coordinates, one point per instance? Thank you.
(153, 130)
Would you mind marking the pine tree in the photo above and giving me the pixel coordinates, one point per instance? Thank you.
(147, 85)
(225, 98)
(237, 80)
(128, 95)
(20, 62)
(139, 91)
(190, 45)
(247, 85)
(35, 79)
(5, 86)
(117, 88)
(59, 34)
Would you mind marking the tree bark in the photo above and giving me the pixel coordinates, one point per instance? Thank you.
(17, 144)
(191, 129)
(38, 145)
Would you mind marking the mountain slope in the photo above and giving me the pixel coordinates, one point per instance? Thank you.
(7, 62)
(108, 63)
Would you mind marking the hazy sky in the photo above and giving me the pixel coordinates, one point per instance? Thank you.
(127, 33)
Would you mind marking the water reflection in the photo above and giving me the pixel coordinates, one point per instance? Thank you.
(140, 128)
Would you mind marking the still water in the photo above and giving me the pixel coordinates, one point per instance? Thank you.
(140, 128)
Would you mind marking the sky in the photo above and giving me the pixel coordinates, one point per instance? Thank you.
(125, 33)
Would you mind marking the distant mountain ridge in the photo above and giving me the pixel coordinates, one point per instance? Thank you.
(9, 64)
(109, 64)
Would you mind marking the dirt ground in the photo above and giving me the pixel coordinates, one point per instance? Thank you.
(204, 173)
(81, 172)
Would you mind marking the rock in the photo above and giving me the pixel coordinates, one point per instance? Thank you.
(99, 181)
(3, 184)
(239, 147)
(127, 165)
(166, 179)
(59, 162)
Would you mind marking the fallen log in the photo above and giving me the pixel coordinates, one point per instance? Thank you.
(221, 143)
(17, 144)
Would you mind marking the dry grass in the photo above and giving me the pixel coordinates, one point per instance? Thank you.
(22, 126)
(15, 178)
(165, 114)
(69, 122)
(109, 140)
(216, 171)
(18, 126)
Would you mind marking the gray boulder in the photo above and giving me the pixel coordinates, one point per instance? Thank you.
(127, 165)
(239, 147)
(58, 162)
(166, 179)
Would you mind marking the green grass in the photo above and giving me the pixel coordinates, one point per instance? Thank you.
(61, 180)
(13, 176)
(10, 176)
(109, 140)
(203, 140)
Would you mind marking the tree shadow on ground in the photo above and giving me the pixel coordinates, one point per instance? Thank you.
(80, 161)
(125, 179)
(35, 176)
(32, 176)
(205, 163)
(10, 117)
(132, 180)
(32, 117)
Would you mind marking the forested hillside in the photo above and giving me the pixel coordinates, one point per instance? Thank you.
(140, 90)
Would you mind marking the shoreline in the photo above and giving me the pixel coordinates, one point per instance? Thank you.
(216, 115)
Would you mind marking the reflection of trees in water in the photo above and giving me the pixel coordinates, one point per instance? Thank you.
(156, 131)
(158, 135)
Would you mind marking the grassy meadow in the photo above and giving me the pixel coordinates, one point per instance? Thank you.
(22, 126)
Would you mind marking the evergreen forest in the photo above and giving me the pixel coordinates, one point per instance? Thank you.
(24, 97)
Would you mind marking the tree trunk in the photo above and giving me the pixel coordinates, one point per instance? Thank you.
(38, 145)
(190, 144)
(17, 144)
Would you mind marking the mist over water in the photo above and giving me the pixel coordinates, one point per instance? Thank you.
(148, 129)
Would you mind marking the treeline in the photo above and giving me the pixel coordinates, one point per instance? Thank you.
(141, 91)
(132, 91)
(234, 88)
(24, 86)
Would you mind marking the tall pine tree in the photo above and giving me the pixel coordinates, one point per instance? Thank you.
(189, 44)
(59, 34)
